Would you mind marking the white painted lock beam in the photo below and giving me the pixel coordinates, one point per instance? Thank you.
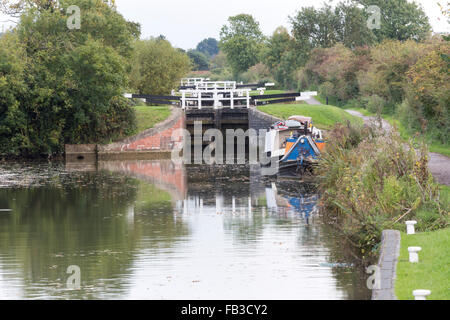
(310, 93)
(302, 98)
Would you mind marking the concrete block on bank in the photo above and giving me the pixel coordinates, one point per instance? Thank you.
(414, 254)
(81, 152)
(410, 226)
(421, 294)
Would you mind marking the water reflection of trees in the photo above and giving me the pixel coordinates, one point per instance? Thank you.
(72, 221)
(154, 219)
(94, 220)
(101, 221)
(351, 279)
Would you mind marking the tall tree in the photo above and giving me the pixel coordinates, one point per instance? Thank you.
(327, 26)
(242, 40)
(74, 78)
(279, 43)
(352, 28)
(199, 60)
(157, 66)
(16, 8)
(400, 19)
(209, 47)
(219, 63)
(280, 56)
(13, 124)
(315, 27)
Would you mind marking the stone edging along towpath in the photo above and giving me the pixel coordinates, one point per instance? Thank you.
(389, 254)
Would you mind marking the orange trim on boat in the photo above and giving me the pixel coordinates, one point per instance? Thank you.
(321, 146)
(289, 145)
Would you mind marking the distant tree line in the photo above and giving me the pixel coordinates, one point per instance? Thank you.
(398, 69)
(65, 86)
(60, 86)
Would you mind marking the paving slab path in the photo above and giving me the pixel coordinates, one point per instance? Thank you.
(439, 164)
(313, 101)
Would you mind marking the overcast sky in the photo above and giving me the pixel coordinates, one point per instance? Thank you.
(187, 22)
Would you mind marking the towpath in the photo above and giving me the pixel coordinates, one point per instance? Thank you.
(313, 101)
(439, 164)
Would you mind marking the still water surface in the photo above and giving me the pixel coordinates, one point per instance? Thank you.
(159, 230)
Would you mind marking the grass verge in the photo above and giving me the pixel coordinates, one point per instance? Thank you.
(148, 116)
(256, 92)
(434, 146)
(324, 117)
(432, 271)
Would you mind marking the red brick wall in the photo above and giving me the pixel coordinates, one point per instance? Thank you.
(157, 139)
(160, 141)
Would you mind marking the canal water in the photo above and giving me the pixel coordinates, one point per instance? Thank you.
(160, 230)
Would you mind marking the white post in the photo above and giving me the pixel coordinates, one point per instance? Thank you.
(414, 254)
(218, 204)
(183, 100)
(216, 99)
(130, 215)
(248, 99)
(199, 96)
(233, 205)
(421, 294)
(232, 99)
(185, 207)
(250, 205)
(410, 227)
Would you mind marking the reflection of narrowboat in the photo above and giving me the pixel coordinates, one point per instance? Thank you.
(304, 205)
(296, 144)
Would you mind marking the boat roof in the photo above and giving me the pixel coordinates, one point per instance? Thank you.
(301, 119)
(287, 125)
(292, 123)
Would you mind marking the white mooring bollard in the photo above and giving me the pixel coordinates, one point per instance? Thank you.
(414, 254)
(410, 227)
(421, 294)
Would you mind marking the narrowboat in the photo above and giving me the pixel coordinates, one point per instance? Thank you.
(296, 144)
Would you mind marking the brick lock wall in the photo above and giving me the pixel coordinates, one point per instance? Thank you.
(159, 141)
(158, 138)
